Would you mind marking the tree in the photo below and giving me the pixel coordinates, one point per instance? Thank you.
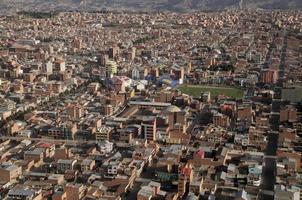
(204, 117)
(299, 106)
(223, 67)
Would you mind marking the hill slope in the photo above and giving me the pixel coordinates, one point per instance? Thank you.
(144, 5)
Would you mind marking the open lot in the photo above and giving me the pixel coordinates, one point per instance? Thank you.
(196, 90)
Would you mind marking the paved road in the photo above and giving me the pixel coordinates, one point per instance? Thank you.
(47, 140)
(283, 56)
(270, 165)
(133, 193)
(270, 168)
(142, 180)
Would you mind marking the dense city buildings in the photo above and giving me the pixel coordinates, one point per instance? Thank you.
(162, 105)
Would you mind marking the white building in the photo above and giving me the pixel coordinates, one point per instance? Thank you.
(135, 74)
(286, 193)
(47, 68)
(65, 164)
(105, 147)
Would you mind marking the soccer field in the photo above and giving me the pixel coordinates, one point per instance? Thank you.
(196, 90)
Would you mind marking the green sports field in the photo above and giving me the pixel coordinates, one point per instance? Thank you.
(196, 90)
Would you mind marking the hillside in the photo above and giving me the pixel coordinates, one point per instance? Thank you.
(143, 5)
